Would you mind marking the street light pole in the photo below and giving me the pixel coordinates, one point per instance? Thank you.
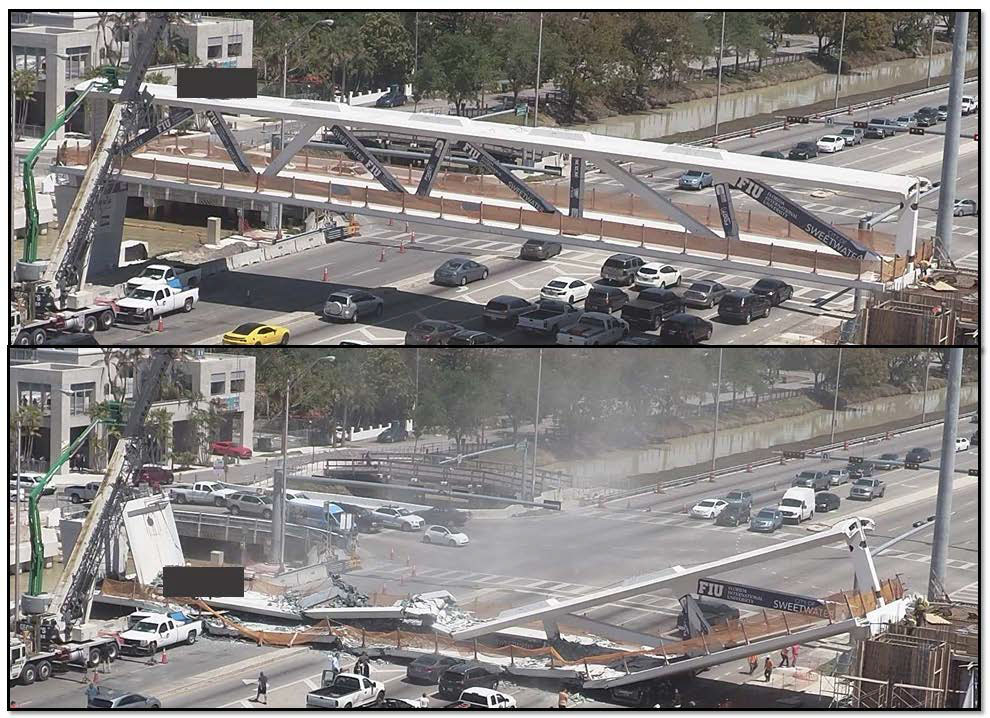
(931, 52)
(536, 423)
(539, 58)
(947, 465)
(924, 395)
(718, 397)
(838, 69)
(950, 151)
(835, 400)
(17, 533)
(416, 65)
(718, 88)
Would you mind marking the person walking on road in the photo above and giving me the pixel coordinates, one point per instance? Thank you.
(767, 669)
(785, 658)
(794, 655)
(424, 701)
(754, 663)
(562, 698)
(262, 688)
(334, 666)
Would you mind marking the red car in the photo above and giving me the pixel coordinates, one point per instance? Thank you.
(154, 476)
(228, 448)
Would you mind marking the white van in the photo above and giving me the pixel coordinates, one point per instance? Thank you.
(798, 504)
(969, 104)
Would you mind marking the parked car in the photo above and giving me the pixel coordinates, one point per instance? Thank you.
(391, 99)
(887, 462)
(460, 271)
(962, 443)
(825, 502)
(395, 517)
(148, 632)
(715, 613)
(229, 448)
(78, 493)
(592, 330)
(965, 208)
(349, 305)
(105, 698)
(685, 330)
(473, 338)
(505, 309)
(469, 674)
(766, 520)
(704, 294)
(652, 307)
(852, 136)
(658, 274)
(775, 290)
(154, 476)
(148, 301)
(708, 508)
(431, 332)
(345, 690)
(744, 306)
(26, 481)
(429, 667)
(918, 455)
(775, 154)
(817, 480)
(733, 515)
(540, 249)
(830, 143)
(445, 536)
(445, 516)
(880, 127)
(250, 504)
(695, 179)
(393, 434)
(838, 476)
(605, 299)
(622, 268)
(566, 289)
(868, 489)
(740, 497)
(803, 151)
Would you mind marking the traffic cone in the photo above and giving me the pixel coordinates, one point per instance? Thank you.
(161, 324)
(782, 462)
(845, 445)
(412, 236)
(402, 247)
(391, 554)
(326, 273)
(96, 677)
(752, 132)
(749, 468)
(381, 257)
(164, 656)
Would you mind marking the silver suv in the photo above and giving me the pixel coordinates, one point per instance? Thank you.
(351, 304)
(251, 504)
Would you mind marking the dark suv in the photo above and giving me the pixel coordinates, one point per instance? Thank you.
(918, 455)
(470, 674)
(733, 515)
(652, 307)
(621, 268)
(605, 299)
(505, 308)
(685, 330)
(743, 306)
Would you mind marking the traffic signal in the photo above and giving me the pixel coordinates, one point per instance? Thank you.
(793, 454)
(974, 472)
(916, 130)
(855, 459)
(795, 120)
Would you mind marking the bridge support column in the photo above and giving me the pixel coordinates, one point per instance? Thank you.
(552, 629)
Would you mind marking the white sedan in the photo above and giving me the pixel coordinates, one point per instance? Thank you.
(831, 143)
(655, 274)
(708, 509)
(443, 535)
(566, 289)
(962, 443)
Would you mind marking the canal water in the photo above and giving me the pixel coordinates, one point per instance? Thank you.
(695, 114)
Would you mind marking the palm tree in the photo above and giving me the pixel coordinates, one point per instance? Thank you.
(24, 82)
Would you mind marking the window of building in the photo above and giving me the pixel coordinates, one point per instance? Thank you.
(82, 398)
(218, 384)
(234, 46)
(237, 382)
(214, 48)
(30, 58)
(77, 63)
(32, 394)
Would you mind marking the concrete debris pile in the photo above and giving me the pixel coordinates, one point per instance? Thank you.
(436, 608)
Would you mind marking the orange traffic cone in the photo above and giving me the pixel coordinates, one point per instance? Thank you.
(412, 236)
(164, 656)
(381, 257)
(161, 324)
(326, 273)
(413, 573)
(402, 247)
(96, 677)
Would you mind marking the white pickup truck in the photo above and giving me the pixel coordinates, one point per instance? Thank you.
(153, 300)
(484, 698)
(201, 492)
(155, 273)
(159, 630)
(347, 690)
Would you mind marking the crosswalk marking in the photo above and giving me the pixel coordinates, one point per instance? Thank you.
(969, 593)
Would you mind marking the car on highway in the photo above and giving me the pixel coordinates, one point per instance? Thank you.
(797, 504)
(943, 113)
(852, 136)
(776, 290)
(539, 249)
(965, 208)
(445, 516)
(708, 508)
(803, 151)
(469, 674)
(887, 462)
(652, 307)
(880, 127)
(830, 143)
(715, 613)
(393, 434)
(445, 537)
(605, 299)
(257, 334)
(740, 497)
(251, 504)
(431, 332)
(733, 515)
(106, 698)
(566, 289)
(704, 294)
(685, 330)
(505, 309)
(349, 305)
(962, 443)
(817, 480)
(838, 476)
(775, 154)
(742, 305)
(396, 517)
(970, 104)
(474, 338)
(459, 271)
(766, 520)
(428, 668)
(825, 502)
(906, 122)
(925, 119)
(695, 179)
(658, 274)
(868, 489)
(859, 471)
(229, 448)
(622, 268)
(918, 455)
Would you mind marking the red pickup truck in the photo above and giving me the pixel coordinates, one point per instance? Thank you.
(228, 448)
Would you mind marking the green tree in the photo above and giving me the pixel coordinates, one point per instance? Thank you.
(909, 30)
(29, 419)
(387, 43)
(516, 45)
(158, 427)
(464, 65)
(593, 57)
(24, 82)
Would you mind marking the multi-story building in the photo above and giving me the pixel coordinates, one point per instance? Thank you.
(65, 384)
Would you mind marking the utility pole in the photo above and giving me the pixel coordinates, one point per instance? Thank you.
(536, 422)
(924, 395)
(416, 65)
(835, 401)
(536, 106)
(946, 472)
(278, 490)
(718, 397)
(718, 87)
(17, 527)
(838, 69)
(950, 151)
(931, 52)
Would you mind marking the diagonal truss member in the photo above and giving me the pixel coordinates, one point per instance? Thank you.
(290, 150)
(440, 146)
(477, 152)
(230, 142)
(175, 118)
(358, 152)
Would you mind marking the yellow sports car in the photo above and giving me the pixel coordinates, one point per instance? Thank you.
(255, 334)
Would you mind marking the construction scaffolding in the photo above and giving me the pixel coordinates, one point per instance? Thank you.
(921, 316)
